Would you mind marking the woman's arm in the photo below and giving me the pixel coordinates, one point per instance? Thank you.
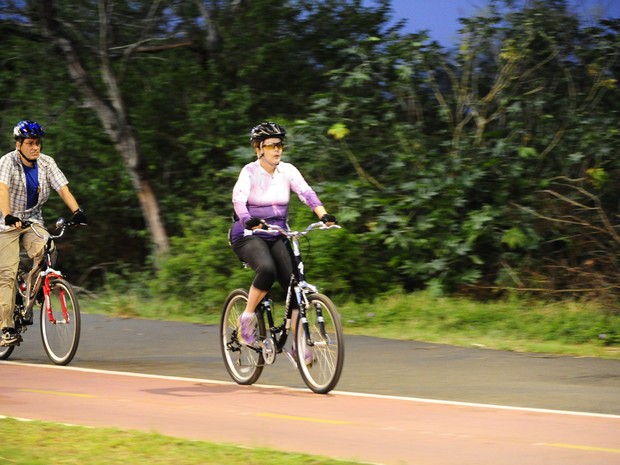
(320, 211)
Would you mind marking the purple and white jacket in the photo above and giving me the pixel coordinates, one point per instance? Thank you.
(258, 194)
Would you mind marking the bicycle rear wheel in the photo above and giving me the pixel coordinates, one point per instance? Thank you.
(320, 362)
(60, 322)
(244, 363)
(6, 351)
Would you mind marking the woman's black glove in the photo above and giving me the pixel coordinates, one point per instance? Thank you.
(252, 223)
(79, 217)
(10, 220)
(327, 218)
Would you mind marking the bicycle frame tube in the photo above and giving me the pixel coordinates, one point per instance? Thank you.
(266, 307)
(298, 262)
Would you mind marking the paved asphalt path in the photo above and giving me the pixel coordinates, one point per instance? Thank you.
(372, 365)
(369, 429)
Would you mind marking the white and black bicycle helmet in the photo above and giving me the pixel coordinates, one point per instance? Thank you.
(266, 130)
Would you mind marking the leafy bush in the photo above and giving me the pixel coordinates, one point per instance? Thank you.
(200, 269)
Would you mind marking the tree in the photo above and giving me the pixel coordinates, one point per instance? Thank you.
(111, 111)
(440, 144)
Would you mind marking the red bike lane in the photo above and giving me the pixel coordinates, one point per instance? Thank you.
(367, 428)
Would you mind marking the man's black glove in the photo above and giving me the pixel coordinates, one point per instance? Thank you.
(10, 220)
(79, 217)
(254, 222)
(327, 218)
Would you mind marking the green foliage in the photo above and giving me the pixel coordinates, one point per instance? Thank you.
(336, 260)
(489, 168)
(201, 268)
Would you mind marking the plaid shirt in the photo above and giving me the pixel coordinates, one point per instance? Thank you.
(12, 174)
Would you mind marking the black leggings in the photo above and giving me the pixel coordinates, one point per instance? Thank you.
(270, 260)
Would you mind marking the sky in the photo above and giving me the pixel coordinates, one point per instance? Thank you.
(440, 17)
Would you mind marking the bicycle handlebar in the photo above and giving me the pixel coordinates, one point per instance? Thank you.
(61, 225)
(274, 229)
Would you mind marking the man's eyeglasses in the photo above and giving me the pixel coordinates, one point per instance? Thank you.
(32, 142)
(274, 146)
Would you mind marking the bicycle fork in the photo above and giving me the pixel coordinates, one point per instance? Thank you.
(47, 290)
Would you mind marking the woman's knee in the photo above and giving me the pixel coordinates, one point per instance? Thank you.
(266, 274)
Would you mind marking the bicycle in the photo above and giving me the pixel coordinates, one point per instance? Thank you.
(319, 341)
(60, 312)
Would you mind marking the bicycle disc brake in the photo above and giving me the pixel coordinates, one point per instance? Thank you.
(269, 350)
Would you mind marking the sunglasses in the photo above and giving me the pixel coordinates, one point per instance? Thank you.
(274, 146)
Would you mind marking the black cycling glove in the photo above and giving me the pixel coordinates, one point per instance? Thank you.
(327, 218)
(253, 222)
(79, 217)
(10, 220)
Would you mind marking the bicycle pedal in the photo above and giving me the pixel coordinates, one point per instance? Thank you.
(268, 350)
(12, 343)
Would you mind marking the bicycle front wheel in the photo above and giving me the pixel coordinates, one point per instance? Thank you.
(6, 351)
(321, 357)
(60, 322)
(244, 363)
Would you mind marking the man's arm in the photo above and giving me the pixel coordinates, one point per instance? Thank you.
(66, 196)
(5, 205)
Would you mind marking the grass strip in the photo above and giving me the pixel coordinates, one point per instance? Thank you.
(44, 443)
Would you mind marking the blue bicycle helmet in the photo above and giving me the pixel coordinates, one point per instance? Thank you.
(265, 131)
(28, 130)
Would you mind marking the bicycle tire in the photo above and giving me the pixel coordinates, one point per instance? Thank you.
(244, 364)
(327, 353)
(6, 351)
(62, 337)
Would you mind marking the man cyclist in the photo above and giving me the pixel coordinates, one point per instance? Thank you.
(27, 177)
(261, 195)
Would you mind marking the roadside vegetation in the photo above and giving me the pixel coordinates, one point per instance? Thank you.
(39, 443)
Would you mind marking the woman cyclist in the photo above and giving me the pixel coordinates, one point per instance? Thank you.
(261, 195)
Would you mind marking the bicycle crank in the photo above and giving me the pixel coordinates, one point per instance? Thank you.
(269, 350)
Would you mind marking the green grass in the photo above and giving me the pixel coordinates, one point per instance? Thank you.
(568, 327)
(42, 443)
(523, 325)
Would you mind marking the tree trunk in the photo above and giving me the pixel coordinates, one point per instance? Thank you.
(113, 117)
